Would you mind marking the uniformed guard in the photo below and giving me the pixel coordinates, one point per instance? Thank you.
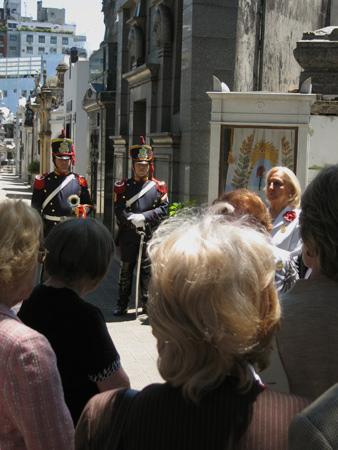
(61, 193)
(140, 204)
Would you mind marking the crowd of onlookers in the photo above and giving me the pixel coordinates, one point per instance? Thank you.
(243, 305)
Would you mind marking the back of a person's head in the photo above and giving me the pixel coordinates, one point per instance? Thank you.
(247, 202)
(79, 248)
(20, 236)
(319, 220)
(213, 305)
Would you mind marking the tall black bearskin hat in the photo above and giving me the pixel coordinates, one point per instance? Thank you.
(63, 148)
(143, 154)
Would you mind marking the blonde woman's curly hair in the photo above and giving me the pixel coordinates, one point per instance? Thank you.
(213, 306)
(21, 232)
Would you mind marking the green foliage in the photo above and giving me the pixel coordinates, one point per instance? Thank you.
(175, 207)
(52, 81)
(33, 167)
(43, 30)
(316, 167)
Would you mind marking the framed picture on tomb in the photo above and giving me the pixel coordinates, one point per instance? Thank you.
(247, 153)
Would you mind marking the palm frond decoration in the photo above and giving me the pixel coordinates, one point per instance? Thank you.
(287, 154)
(238, 180)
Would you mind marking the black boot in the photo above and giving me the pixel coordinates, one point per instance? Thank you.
(125, 286)
(144, 282)
(144, 307)
(121, 309)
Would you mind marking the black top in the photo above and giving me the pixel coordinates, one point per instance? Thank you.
(79, 336)
(159, 418)
(213, 424)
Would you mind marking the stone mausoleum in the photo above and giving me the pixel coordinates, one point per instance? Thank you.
(253, 131)
(155, 67)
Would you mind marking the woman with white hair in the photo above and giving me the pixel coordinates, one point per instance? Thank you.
(213, 328)
(244, 201)
(283, 192)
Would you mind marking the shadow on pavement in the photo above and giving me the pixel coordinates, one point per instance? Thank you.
(106, 295)
(15, 189)
(25, 196)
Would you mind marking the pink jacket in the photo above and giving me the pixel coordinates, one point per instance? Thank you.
(33, 413)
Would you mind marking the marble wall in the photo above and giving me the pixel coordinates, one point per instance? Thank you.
(167, 54)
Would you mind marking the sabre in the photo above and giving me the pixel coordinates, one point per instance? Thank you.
(142, 234)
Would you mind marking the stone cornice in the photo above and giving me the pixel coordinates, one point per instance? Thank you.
(119, 140)
(142, 74)
(165, 138)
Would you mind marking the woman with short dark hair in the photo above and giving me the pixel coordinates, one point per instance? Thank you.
(308, 338)
(79, 254)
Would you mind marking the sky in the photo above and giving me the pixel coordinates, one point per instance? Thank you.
(86, 14)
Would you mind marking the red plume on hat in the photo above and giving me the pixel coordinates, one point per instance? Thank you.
(63, 148)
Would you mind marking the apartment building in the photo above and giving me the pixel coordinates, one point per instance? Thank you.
(48, 35)
(29, 46)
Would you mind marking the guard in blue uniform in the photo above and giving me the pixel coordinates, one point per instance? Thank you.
(61, 193)
(140, 204)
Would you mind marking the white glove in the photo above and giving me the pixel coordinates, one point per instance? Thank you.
(138, 220)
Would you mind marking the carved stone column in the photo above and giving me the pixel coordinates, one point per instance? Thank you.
(162, 30)
(44, 98)
(36, 108)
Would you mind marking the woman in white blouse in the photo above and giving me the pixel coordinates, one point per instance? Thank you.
(283, 192)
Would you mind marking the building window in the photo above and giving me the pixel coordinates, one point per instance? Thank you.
(30, 50)
(41, 51)
(12, 25)
(12, 49)
(53, 40)
(64, 41)
(29, 38)
(52, 50)
(13, 37)
(42, 39)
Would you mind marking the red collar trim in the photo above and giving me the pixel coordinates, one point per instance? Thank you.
(141, 180)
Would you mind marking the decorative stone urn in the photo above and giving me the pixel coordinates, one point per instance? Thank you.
(317, 54)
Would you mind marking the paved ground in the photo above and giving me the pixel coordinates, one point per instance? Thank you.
(132, 337)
